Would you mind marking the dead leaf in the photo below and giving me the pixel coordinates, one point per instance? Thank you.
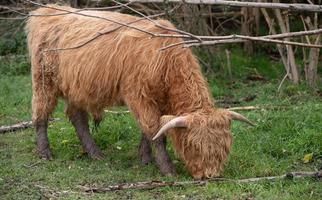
(64, 141)
(308, 158)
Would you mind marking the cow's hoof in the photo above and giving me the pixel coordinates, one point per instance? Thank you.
(168, 170)
(146, 159)
(45, 154)
(170, 174)
(96, 154)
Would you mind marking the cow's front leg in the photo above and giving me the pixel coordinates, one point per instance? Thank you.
(145, 151)
(148, 115)
(162, 157)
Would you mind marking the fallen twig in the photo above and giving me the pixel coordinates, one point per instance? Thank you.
(246, 108)
(281, 83)
(158, 184)
(267, 107)
(31, 165)
(117, 112)
(49, 193)
(20, 126)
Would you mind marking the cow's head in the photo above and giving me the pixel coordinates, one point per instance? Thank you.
(202, 139)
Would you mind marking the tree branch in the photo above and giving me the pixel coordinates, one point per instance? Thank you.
(287, 6)
(20, 126)
(194, 40)
(158, 184)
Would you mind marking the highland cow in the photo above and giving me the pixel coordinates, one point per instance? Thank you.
(165, 90)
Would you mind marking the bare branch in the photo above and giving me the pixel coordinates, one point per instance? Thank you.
(244, 38)
(117, 112)
(158, 184)
(245, 108)
(292, 7)
(159, 25)
(20, 126)
(101, 34)
(196, 40)
(281, 83)
(15, 10)
(108, 8)
(13, 18)
(87, 15)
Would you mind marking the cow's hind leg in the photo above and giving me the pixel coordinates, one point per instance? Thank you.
(79, 119)
(42, 106)
(145, 151)
(162, 157)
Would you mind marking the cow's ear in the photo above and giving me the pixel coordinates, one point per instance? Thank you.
(168, 122)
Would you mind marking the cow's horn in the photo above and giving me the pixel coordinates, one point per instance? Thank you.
(239, 117)
(173, 123)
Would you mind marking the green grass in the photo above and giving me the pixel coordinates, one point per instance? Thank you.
(276, 145)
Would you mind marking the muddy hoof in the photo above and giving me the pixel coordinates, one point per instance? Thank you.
(45, 154)
(170, 173)
(96, 154)
(146, 159)
(168, 170)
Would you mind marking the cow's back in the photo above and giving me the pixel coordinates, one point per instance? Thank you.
(95, 73)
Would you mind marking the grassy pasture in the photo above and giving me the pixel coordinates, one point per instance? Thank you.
(288, 127)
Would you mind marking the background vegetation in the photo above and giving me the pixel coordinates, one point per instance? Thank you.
(289, 126)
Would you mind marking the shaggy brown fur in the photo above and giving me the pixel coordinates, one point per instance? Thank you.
(126, 67)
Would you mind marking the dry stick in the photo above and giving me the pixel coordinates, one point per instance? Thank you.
(273, 30)
(213, 40)
(117, 112)
(109, 31)
(53, 194)
(305, 28)
(273, 36)
(228, 53)
(107, 8)
(103, 18)
(281, 83)
(188, 35)
(31, 15)
(279, 47)
(245, 108)
(236, 38)
(13, 18)
(20, 126)
(159, 25)
(91, 16)
(220, 24)
(101, 34)
(243, 38)
(293, 6)
(190, 43)
(43, 15)
(178, 44)
(158, 184)
(292, 67)
(12, 10)
(32, 164)
(310, 65)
